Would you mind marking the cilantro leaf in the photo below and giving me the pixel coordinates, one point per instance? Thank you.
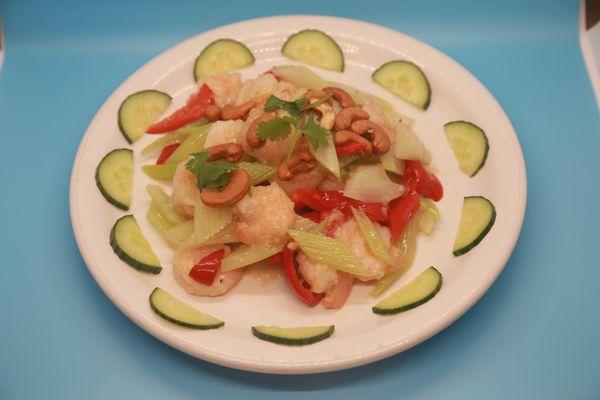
(304, 105)
(276, 128)
(209, 175)
(292, 107)
(315, 133)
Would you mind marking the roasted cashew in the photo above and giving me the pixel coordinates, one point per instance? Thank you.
(341, 96)
(347, 116)
(376, 134)
(327, 114)
(302, 161)
(239, 183)
(251, 134)
(212, 113)
(236, 112)
(343, 137)
(230, 151)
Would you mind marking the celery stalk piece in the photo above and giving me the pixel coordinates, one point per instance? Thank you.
(161, 200)
(160, 172)
(193, 144)
(246, 255)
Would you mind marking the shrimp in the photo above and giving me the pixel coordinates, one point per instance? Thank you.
(288, 91)
(184, 260)
(225, 132)
(270, 151)
(225, 86)
(350, 233)
(304, 180)
(320, 277)
(185, 190)
(264, 216)
(338, 294)
(257, 89)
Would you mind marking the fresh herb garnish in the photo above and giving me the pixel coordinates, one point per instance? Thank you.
(315, 133)
(209, 175)
(316, 103)
(276, 128)
(292, 107)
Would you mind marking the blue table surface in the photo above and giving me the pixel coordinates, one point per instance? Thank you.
(534, 335)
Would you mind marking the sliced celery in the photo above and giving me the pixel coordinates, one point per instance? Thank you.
(180, 232)
(258, 172)
(158, 220)
(428, 215)
(377, 245)
(161, 200)
(174, 137)
(246, 255)
(327, 157)
(329, 251)
(161, 172)
(208, 221)
(193, 144)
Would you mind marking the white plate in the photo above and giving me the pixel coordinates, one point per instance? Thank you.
(361, 336)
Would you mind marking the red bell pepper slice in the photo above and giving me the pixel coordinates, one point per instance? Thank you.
(350, 148)
(192, 111)
(275, 259)
(166, 152)
(326, 200)
(402, 210)
(205, 272)
(295, 280)
(427, 184)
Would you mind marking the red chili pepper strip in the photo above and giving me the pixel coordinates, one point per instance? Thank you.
(275, 259)
(295, 280)
(166, 152)
(192, 111)
(401, 212)
(313, 215)
(325, 200)
(207, 269)
(350, 148)
(427, 184)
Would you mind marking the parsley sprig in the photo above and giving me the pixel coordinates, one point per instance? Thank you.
(209, 175)
(279, 128)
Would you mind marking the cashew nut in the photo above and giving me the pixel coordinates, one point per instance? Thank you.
(239, 183)
(327, 114)
(341, 96)
(212, 113)
(231, 151)
(343, 137)
(376, 134)
(230, 112)
(348, 115)
(302, 161)
(251, 134)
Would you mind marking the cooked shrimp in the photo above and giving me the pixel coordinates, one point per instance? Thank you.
(225, 86)
(225, 132)
(304, 180)
(288, 91)
(320, 277)
(265, 215)
(270, 151)
(338, 294)
(257, 89)
(350, 233)
(185, 190)
(184, 260)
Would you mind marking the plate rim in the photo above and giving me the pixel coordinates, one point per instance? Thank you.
(300, 367)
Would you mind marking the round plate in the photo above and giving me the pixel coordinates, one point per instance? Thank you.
(263, 298)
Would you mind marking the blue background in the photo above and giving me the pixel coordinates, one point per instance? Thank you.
(534, 335)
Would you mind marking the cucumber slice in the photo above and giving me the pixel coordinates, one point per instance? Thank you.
(298, 336)
(131, 246)
(477, 218)
(174, 310)
(139, 111)
(114, 177)
(222, 55)
(316, 48)
(419, 291)
(469, 144)
(405, 80)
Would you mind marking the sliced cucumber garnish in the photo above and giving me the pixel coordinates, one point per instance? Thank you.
(477, 218)
(174, 310)
(469, 144)
(222, 55)
(405, 80)
(114, 177)
(420, 290)
(131, 246)
(316, 48)
(139, 111)
(298, 336)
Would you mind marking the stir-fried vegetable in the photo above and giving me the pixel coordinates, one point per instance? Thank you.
(246, 255)
(370, 183)
(193, 144)
(192, 111)
(206, 270)
(161, 172)
(161, 200)
(377, 245)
